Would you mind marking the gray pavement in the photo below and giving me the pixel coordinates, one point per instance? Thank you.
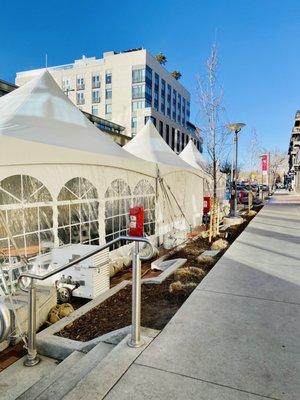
(238, 334)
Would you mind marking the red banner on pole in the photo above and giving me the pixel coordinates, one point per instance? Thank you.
(264, 163)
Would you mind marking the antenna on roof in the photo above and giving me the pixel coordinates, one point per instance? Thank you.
(46, 60)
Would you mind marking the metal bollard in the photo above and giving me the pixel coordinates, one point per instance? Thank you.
(136, 340)
(31, 358)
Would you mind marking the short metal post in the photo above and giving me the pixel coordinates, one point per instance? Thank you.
(136, 340)
(31, 358)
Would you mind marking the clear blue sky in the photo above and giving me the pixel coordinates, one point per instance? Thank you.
(258, 47)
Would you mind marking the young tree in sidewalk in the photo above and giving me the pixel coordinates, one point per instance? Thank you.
(215, 133)
(254, 150)
(278, 164)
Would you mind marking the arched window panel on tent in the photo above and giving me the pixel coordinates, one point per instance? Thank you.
(78, 207)
(144, 195)
(117, 204)
(26, 216)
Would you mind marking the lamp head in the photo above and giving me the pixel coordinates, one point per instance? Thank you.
(236, 127)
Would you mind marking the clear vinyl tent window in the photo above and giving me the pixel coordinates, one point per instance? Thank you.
(26, 216)
(78, 210)
(144, 195)
(117, 204)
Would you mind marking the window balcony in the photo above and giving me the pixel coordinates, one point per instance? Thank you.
(96, 100)
(80, 102)
(80, 86)
(95, 85)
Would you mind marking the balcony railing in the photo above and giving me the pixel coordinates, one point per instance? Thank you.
(96, 100)
(80, 86)
(80, 102)
(95, 85)
(135, 341)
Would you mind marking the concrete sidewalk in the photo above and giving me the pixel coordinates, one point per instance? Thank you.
(238, 334)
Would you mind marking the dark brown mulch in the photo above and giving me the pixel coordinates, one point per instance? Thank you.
(158, 304)
(115, 312)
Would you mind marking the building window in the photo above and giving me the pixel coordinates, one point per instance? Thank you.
(174, 104)
(66, 84)
(108, 78)
(144, 195)
(95, 81)
(138, 75)
(156, 101)
(169, 91)
(156, 82)
(138, 91)
(179, 109)
(173, 139)
(80, 82)
(108, 109)
(95, 96)
(167, 133)
(152, 119)
(133, 125)
(182, 140)
(137, 104)
(117, 204)
(161, 128)
(26, 208)
(187, 110)
(178, 142)
(78, 212)
(95, 110)
(108, 94)
(80, 98)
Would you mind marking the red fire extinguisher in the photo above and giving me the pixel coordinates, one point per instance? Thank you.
(136, 221)
(206, 204)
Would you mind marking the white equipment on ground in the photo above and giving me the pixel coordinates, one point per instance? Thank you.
(86, 279)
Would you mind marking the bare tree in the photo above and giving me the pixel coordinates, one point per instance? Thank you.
(278, 165)
(254, 150)
(215, 134)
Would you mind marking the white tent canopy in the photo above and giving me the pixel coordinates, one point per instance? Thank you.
(40, 113)
(191, 155)
(150, 146)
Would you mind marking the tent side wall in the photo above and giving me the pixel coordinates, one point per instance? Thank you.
(70, 203)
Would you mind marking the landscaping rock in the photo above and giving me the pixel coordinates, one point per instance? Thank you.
(251, 213)
(219, 244)
(179, 287)
(189, 272)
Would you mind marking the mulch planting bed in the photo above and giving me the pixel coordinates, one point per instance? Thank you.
(158, 303)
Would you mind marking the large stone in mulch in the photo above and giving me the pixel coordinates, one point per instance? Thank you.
(219, 244)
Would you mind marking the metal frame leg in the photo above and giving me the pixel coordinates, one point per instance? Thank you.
(31, 358)
(136, 340)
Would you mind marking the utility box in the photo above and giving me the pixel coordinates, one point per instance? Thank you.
(136, 221)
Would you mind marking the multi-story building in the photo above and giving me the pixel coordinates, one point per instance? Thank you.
(294, 154)
(6, 87)
(129, 88)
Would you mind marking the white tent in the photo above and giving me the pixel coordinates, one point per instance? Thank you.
(150, 146)
(63, 181)
(40, 113)
(191, 155)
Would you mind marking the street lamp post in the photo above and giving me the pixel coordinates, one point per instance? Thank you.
(235, 128)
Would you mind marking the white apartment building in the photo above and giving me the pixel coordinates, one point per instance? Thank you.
(127, 88)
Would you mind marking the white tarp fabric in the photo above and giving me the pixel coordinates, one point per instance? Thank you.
(191, 155)
(62, 181)
(150, 146)
(40, 113)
